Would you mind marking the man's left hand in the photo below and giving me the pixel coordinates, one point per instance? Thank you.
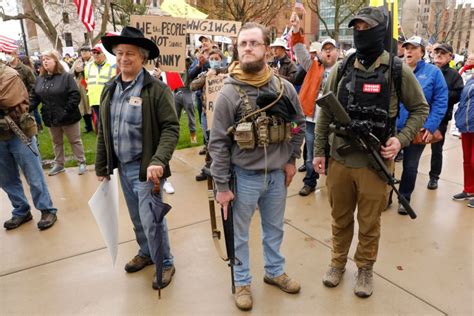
(391, 148)
(290, 171)
(154, 173)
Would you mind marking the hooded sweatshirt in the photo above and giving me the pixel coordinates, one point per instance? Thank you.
(225, 152)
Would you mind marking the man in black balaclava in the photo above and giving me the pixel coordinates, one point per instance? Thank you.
(370, 26)
(361, 84)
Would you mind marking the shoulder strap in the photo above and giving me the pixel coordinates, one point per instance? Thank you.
(397, 75)
(346, 65)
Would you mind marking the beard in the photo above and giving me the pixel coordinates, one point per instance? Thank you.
(253, 67)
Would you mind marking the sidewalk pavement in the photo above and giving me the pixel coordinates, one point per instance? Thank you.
(424, 266)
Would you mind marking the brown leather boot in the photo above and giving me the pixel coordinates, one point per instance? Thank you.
(137, 263)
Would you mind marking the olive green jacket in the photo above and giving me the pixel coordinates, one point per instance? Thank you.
(160, 127)
(411, 95)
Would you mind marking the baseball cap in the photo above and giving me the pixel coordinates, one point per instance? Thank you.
(415, 41)
(97, 48)
(329, 41)
(205, 36)
(445, 47)
(371, 15)
(315, 47)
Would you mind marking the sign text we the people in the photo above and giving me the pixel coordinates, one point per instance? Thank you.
(169, 34)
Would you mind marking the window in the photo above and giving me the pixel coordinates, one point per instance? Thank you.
(155, 3)
(68, 39)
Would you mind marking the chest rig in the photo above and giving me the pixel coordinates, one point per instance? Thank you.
(256, 127)
(366, 98)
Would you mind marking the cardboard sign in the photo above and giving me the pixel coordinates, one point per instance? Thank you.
(213, 87)
(169, 34)
(213, 27)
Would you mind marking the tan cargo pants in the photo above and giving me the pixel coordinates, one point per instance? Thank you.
(348, 188)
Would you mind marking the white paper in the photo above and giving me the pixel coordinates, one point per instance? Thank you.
(104, 207)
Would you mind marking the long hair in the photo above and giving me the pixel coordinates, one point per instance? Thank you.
(58, 68)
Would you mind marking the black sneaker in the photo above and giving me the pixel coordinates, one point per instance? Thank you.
(201, 177)
(463, 196)
(203, 151)
(433, 184)
(47, 220)
(402, 210)
(302, 168)
(306, 190)
(17, 221)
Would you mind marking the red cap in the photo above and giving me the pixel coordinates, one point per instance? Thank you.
(97, 48)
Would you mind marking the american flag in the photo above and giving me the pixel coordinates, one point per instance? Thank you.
(7, 44)
(299, 5)
(86, 13)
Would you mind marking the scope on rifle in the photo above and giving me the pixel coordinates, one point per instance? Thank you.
(330, 102)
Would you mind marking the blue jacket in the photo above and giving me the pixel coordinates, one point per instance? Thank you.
(464, 116)
(436, 93)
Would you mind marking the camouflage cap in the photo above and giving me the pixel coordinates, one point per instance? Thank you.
(371, 15)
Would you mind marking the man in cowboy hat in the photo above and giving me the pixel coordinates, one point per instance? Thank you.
(138, 131)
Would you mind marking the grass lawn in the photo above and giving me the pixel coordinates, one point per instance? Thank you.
(89, 142)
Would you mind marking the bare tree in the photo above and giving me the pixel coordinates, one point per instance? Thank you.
(261, 11)
(445, 21)
(341, 11)
(52, 29)
(123, 9)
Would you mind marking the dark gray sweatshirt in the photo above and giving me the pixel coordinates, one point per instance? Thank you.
(225, 152)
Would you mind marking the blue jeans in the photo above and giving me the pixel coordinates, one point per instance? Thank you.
(411, 160)
(184, 100)
(137, 195)
(311, 176)
(269, 194)
(15, 154)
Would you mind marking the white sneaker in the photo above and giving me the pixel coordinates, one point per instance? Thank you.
(168, 187)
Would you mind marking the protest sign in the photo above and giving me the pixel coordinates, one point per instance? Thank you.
(169, 34)
(213, 27)
(214, 85)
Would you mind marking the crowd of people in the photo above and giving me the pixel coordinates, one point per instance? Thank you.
(264, 113)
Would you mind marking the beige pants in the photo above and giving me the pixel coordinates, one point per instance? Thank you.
(73, 134)
(348, 188)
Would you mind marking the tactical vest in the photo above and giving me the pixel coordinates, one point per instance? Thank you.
(366, 98)
(97, 79)
(256, 128)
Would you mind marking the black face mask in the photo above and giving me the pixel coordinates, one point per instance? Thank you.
(369, 44)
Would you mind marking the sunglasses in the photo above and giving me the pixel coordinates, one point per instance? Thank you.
(96, 53)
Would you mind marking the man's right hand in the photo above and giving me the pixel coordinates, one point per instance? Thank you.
(100, 178)
(295, 22)
(223, 198)
(319, 165)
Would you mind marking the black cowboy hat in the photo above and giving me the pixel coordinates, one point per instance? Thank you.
(132, 36)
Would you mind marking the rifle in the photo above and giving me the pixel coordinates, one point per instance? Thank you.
(228, 226)
(10, 123)
(364, 138)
